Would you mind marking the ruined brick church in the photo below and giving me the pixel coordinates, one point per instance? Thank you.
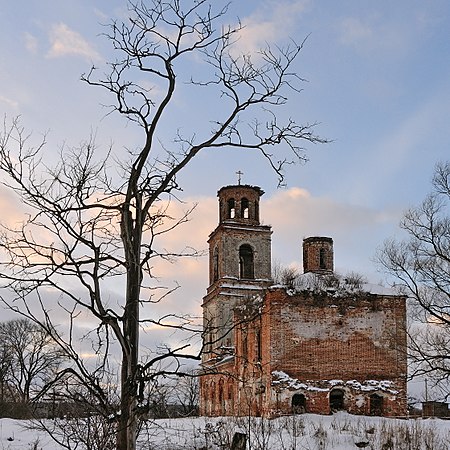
(317, 343)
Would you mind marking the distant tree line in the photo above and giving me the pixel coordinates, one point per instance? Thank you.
(29, 362)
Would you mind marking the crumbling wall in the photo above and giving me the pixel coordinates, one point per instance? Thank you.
(318, 339)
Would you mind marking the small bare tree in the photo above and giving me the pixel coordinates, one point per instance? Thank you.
(95, 221)
(421, 266)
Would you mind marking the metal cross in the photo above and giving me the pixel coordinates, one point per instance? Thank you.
(239, 173)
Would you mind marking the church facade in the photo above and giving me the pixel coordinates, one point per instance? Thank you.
(315, 343)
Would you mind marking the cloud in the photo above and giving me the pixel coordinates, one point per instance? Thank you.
(10, 102)
(31, 43)
(356, 230)
(380, 34)
(273, 22)
(353, 31)
(65, 42)
(413, 143)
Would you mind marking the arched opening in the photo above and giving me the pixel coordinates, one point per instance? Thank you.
(212, 398)
(246, 263)
(337, 400)
(216, 265)
(298, 404)
(322, 259)
(230, 400)
(231, 209)
(221, 398)
(245, 208)
(376, 405)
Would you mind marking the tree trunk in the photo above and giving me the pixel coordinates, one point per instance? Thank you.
(127, 432)
(127, 426)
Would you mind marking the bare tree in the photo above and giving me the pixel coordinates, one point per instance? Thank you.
(421, 266)
(187, 393)
(95, 221)
(32, 357)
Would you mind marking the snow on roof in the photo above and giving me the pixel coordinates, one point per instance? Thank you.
(283, 380)
(336, 285)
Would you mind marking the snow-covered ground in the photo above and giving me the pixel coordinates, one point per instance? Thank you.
(309, 432)
(14, 435)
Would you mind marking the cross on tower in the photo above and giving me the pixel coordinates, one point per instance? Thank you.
(239, 173)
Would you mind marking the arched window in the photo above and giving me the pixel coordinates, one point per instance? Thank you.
(221, 398)
(244, 208)
(246, 263)
(298, 404)
(322, 259)
(230, 400)
(212, 401)
(337, 400)
(215, 264)
(231, 209)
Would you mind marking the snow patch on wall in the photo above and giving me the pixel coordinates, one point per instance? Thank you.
(282, 380)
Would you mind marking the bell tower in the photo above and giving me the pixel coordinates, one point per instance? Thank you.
(239, 264)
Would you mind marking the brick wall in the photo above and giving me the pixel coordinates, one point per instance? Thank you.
(363, 337)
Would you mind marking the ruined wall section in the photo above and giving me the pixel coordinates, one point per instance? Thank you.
(360, 338)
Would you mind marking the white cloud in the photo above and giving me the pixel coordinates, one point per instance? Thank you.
(413, 143)
(31, 43)
(356, 230)
(64, 41)
(10, 102)
(379, 34)
(274, 21)
(353, 31)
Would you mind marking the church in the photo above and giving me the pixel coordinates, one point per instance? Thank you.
(317, 342)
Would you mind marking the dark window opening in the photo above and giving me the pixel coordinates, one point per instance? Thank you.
(221, 392)
(298, 404)
(336, 400)
(230, 393)
(246, 263)
(376, 405)
(216, 265)
(244, 208)
(231, 209)
(256, 210)
(322, 259)
(258, 346)
(244, 347)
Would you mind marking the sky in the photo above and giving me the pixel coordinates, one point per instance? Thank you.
(378, 86)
